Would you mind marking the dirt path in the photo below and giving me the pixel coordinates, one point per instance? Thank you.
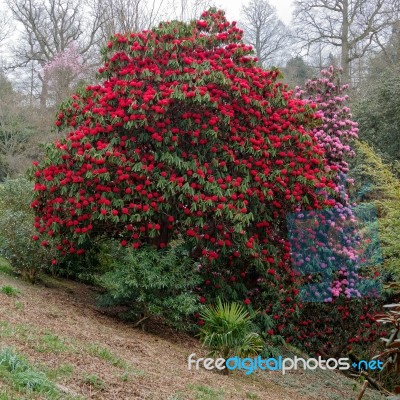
(99, 357)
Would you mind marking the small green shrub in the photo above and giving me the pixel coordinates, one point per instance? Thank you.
(228, 331)
(25, 255)
(154, 282)
(84, 267)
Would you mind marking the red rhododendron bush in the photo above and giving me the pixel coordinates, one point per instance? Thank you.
(187, 138)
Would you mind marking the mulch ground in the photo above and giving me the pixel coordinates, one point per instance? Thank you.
(155, 361)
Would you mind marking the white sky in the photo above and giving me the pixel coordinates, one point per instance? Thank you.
(233, 7)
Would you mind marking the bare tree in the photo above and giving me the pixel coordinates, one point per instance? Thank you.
(125, 16)
(391, 52)
(49, 27)
(265, 31)
(5, 27)
(185, 10)
(352, 26)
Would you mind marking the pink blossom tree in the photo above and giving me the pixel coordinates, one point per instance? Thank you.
(63, 73)
(338, 128)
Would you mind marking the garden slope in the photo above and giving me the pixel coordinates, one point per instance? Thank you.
(94, 356)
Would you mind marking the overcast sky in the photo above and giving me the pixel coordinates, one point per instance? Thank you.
(233, 7)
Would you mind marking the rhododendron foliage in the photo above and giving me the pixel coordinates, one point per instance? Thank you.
(186, 137)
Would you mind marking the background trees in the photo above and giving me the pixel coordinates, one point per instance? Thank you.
(267, 34)
(50, 27)
(5, 27)
(297, 71)
(354, 27)
(129, 16)
(377, 110)
(17, 131)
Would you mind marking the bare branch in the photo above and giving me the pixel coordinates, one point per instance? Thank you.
(264, 31)
(356, 26)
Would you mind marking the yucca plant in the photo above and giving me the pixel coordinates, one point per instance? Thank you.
(228, 331)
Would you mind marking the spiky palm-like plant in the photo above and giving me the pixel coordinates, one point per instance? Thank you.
(228, 331)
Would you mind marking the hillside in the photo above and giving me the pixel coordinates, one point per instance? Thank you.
(84, 354)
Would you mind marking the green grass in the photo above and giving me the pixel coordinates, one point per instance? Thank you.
(50, 343)
(99, 351)
(9, 291)
(21, 332)
(24, 381)
(105, 354)
(202, 392)
(65, 370)
(46, 342)
(19, 306)
(94, 381)
(15, 370)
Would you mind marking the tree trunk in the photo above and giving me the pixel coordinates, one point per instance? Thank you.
(44, 93)
(345, 43)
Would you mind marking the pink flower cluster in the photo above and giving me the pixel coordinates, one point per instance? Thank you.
(338, 128)
(67, 60)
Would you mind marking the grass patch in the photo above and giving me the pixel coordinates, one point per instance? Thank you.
(94, 381)
(15, 370)
(9, 394)
(50, 343)
(202, 392)
(19, 305)
(131, 372)
(24, 333)
(25, 382)
(64, 370)
(10, 291)
(46, 342)
(106, 355)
